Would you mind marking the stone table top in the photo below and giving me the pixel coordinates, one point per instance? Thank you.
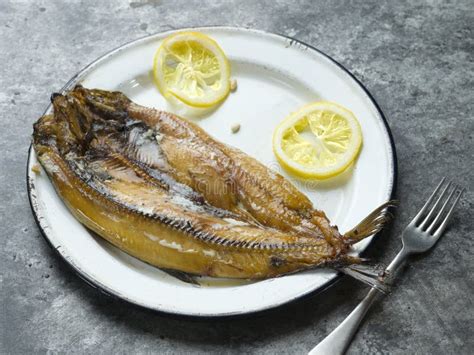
(416, 58)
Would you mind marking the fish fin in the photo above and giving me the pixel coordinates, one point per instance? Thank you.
(371, 224)
(372, 275)
(183, 276)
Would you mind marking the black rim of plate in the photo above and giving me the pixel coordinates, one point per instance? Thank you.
(111, 293)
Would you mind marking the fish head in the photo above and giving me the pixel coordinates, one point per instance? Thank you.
(83, 115)
(72, 123)
(107, 104)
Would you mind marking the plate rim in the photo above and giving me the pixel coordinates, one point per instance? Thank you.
(34, 204)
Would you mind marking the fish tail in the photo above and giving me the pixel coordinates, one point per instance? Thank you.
(371, 224)
(372, 275)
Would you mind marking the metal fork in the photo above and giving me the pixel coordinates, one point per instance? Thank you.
(419, 236)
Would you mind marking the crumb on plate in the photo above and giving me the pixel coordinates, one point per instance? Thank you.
(36, 169)
(233, 85)
(235, 128)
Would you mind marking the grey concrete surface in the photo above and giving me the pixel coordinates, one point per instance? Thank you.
(417, 58)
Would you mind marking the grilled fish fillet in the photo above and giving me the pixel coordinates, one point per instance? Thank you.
(161, 189)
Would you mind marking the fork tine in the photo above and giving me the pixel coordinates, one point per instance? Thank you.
(425, 207)
(435, 207)
(443, 225)
(441, 211)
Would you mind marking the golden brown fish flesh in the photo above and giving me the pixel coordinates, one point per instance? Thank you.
(161, 189)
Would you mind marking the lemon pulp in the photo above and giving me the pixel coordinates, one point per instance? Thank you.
(193, 68)
(318, 141)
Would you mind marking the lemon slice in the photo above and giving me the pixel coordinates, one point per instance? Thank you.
(318, 141)
(193, 68)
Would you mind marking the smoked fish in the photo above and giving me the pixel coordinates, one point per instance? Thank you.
(163, 190)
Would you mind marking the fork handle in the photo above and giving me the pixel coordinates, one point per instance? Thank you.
(340, 338)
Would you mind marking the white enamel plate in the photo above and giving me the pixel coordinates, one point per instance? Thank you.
(275, 76)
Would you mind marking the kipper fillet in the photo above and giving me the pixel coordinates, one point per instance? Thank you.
(161, 189)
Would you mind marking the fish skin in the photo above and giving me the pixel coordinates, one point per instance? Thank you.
(140, 179)
(270, 198)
